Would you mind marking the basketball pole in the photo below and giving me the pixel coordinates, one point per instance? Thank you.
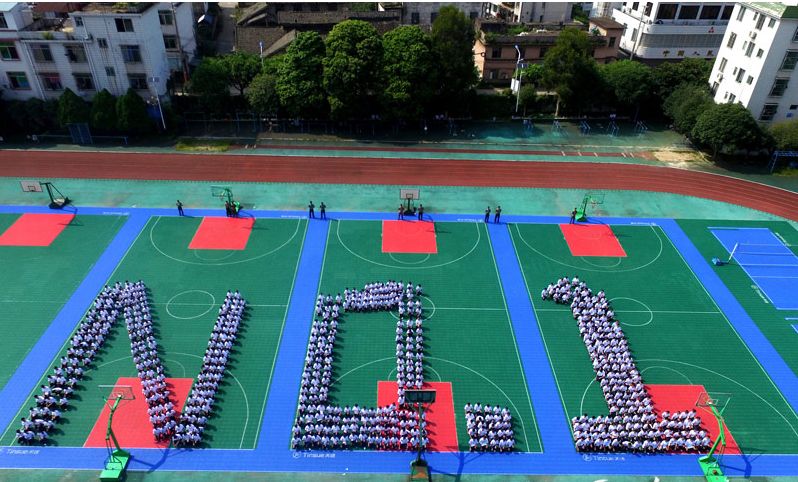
(710, 465)
(118, 458)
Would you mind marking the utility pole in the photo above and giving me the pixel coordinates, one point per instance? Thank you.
(183, 66)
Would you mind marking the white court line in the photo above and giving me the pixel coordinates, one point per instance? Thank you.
(644, 311)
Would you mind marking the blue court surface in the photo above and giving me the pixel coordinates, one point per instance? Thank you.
(771, 264)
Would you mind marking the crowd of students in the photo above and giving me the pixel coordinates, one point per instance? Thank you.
(395, 427)
(632, 425)
(83, 347)
(490, 429)
(144, 348)
(203, 394)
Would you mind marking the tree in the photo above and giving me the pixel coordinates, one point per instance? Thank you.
(670, 75)
(271, 65)
(34, 116)
(408, 60)
(131, 114)
(352, 68)
(453, 46)
(241, 68)
(210, 83)
(103, 111)
(527, 97)
(568, 67)
(72, 109)
(785, 135)
(727, 128)
(685, 104)
(262, 94)
(629, 81)
(532, 74)
(300, 76)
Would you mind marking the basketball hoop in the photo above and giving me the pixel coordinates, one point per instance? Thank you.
(118, 458)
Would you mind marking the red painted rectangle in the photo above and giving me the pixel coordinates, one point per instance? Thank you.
(35, 229)
(592, 240)
(409, 237)
(222, 233)
(441, 426)
(132, 426)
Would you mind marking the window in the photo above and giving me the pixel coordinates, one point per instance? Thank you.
(41, 53)
(749, 80)
(432, 17)
(102, 43)
(75, 53)
(750, 49)
(124, 24)
(731, 98)
(635, 5)
(759, 22)
(493, 74)
(78, 21)
(8, 51)
(714, 88)
(741, 14)
(634, 35)
(611, 42)
(759, 53)
(745, 45)
(414, 18)
(137, 81)
(688, 12)
(727, 11)
(710, 12)
(790, 59)
(768, 112)
(170, 42)
(771, 23)
(496, 53)
(110, 72)
(732, 39)
(84, 81)
(779, 86)
(740, 75)
(18, 81)
(680, 53)
(4, 24)
(722, 65)
(667, 11)
(51, 81)
(793, 106)
(131, 53)
(165, 17)
(473, 15)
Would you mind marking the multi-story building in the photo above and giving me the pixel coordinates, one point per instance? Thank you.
(95, 47)
(495, 51)
(425, 13)
(756, 65)
(530, 12)
(660, 31)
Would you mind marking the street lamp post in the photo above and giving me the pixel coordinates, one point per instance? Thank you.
(520, 75)
(154, 82)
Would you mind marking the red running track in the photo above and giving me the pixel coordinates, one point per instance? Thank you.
(432, 172)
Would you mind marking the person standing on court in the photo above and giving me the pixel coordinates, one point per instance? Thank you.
(227, 208)
(573, 217)
(420, 212)
(498, 215)
(487, 214)
(180, 208)
(401, 212)
(322, 210)
(311, 210)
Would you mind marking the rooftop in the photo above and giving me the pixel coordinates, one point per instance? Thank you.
(7, 6)
(778, 9)
(119, 7)
(606, 23)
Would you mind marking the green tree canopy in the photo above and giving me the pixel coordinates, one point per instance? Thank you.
(271, 65)
(210, 83)
(727, 128)
(241, 68)
(453, 44)
(34, 116)
(352, 68)
(785, 135)
(670, 75)
(569, 68)
(103, 111)
(300, 76)
(629, 81)
(131, 114)
(72, 109)
(527, 97)
(408, 63)
(533, 74)
(262, 94)
(685, 104)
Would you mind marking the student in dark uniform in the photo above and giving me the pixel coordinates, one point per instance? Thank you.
(573, 217)
(487, 214)
(179, 208)
(227, 208)
(311, 210)
(420, 212)
(322, 210)
(401, 212)
(498, 214)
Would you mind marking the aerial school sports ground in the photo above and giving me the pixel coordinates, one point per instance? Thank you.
(694, 328)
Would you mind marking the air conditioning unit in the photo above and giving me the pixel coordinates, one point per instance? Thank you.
(752, 35)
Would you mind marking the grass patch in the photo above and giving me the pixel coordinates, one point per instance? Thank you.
(202, 145)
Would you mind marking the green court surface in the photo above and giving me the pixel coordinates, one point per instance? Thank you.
(186, 288)
(676, 332)
(773, 323)
(38, 280)
(468, 338)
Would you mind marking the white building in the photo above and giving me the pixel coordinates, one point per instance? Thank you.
(658, 31)
(101, 46)
(757, 63)
(531, 12)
